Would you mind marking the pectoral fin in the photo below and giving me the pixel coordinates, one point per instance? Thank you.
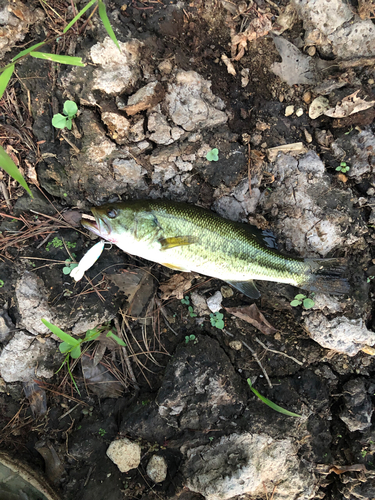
(177, 241)
(247, 288)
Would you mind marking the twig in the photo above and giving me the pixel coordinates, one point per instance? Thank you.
(278, 352)
(255, 357)
(259, 363)
(127, 360)
(249, 167)
(6, 195)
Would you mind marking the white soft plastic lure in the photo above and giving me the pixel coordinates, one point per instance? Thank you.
(87, 261)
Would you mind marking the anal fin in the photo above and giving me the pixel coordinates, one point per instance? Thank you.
(248, 288)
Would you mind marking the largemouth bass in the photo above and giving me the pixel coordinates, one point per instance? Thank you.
(189, 238)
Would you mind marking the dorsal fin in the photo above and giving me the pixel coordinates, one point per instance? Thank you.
(248, 288)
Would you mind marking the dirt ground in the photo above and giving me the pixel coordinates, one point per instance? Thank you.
(179, 389)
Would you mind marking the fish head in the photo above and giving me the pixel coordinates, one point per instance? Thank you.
(113, 222)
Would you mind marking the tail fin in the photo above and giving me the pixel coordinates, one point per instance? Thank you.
(327, 276)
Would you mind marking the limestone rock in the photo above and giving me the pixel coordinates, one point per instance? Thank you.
(248, 464)
(199, 385)
(125, 454)
(145, 98)
(214, 302)
(340, 334)
(326, 16)
(119, 70)
(136, 133)
(358, 407)
(6, 326)
(33, 304)
(128, 171)
(25, 358)
(118, 126)
(191, 103)
(158, 124)
(15, 19)
(310, 215)
(157, 469)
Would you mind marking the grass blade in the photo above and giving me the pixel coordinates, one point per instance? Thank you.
(71, 376)
(117, 339)
(272, 405)
(4, 79)
(73, 61)
(11, 168)
(27, 51)
(103, 16)
(59, 333)
(80, 14)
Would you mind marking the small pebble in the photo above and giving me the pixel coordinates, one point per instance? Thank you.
(370, 191)
(281, 97)
(263, 145)
(311, 51)
(226, 291)
(367, 361)
(289, 110)
(157, 469)
(308, 136)
(277, 336)
(307, 97)
(370, 81)
(341, 177)
(236, 345)
(299, 112)
(214, 302)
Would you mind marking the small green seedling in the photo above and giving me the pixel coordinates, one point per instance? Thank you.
(57, 243)
(71, 347)
(185, 300)
(302, 299)
(217, 320)
(272, 405)
(70, 111)
(343, 167)
(191, 338)
(69, 265)
(102, 432)
(191, 312)
(370, 278)
(1, 283)
(213, 155)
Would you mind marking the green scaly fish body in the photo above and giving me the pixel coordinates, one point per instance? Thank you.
(189, 238)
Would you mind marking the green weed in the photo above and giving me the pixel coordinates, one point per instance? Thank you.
(71, 347)
(213, 155)
(102, 432)
(190, 338)
(343, 167)
(1, 283)
(217, 320)
(272, 405)
(302, 299)
(65, 120)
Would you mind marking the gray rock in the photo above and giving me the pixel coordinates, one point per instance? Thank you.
(340, 334)
(214, 302)
(128, 171)
(15, 19)
(158, 124)
(311, 216)
(362, 161)
(25, 358)
(249, 464)
(119, 70)
(229, 208)
(118, 126)
(137, 131)
(157, 469)
(33, 304)
(191, 103)
(145, 98)
(326, 16)
(355, 40)
(296, 67)
(358, 407)
(6, 326)
(200, 387)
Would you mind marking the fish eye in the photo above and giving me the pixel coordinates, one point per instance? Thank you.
(112, 213)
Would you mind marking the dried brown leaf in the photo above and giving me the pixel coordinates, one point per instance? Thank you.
(252, 315)
(72, 217)
(349, 105)
(257, 28)
(177, 286)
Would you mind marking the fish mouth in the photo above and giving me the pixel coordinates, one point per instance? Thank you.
(97, 226)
